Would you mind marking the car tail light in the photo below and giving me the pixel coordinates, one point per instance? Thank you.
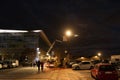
(96, 71)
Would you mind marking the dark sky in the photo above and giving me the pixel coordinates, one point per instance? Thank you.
(96, 21)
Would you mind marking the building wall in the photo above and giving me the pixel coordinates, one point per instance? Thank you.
(17, 45)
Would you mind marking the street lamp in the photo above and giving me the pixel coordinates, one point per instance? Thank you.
(68, 33)
(66, 37)
(99, 54)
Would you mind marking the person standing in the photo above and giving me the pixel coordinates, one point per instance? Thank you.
(42, 65)
(38, 65)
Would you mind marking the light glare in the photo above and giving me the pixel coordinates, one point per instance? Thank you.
(12, 31)
(36, 30)
(99, 54)
(68, 33)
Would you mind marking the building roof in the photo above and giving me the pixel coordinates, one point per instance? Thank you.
(41, 32)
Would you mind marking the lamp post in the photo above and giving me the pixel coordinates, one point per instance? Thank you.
(66, 39)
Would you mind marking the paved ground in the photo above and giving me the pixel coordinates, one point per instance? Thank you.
(31, 73)
(58, 74)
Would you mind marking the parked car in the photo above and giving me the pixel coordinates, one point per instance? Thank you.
(13, 63)
(82, 65)
(7, 64)
(0, 66)
(4, 65)
(117, 66)
(118, 70)
(51, 64)
(69, 65)
(26, 63)
(104, 71)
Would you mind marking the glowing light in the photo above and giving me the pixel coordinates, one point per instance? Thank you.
(76, 35)
(37, 30)
(37, 49)
(38, 52)
(96, 56)
(68, 33)
(99, 54)
(47, 54)
(82, 57)
(12, 31)
(36, 59)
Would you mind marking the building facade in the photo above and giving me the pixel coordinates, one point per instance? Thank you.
(22, 45)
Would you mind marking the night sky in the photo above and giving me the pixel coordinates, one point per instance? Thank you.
(96, 21)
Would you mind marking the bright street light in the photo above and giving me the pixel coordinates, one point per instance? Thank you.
(68, 33)
(99, 54)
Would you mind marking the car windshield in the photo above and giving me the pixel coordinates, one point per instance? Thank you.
(106, 68)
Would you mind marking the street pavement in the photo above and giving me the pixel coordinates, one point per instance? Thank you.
(31, 73)
(57, 74)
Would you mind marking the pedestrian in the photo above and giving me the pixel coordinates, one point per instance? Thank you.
(38, 65)
(42, 65)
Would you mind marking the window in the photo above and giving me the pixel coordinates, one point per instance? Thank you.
(106, 68)
(85, 62)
